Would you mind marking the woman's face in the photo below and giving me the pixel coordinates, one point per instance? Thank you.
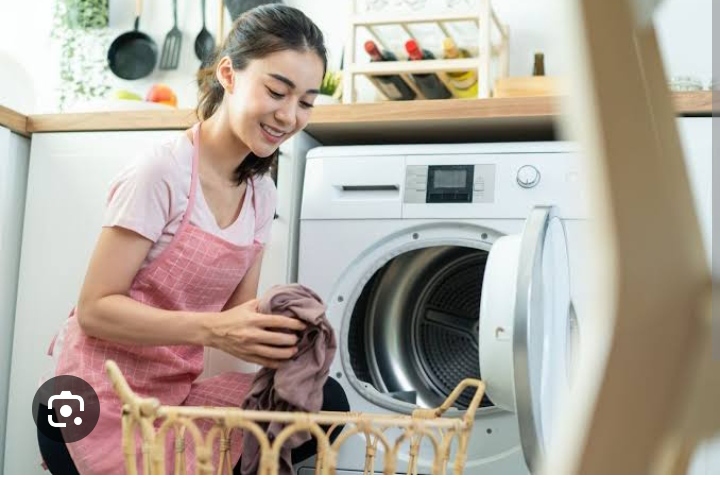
(271, 99)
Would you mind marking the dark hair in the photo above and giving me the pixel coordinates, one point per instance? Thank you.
(255, 34)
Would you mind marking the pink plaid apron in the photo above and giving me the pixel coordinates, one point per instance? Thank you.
(196, 272)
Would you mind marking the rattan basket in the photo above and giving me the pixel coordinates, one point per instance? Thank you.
(383, 434)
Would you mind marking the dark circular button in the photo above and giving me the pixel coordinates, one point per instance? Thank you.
(66, 409)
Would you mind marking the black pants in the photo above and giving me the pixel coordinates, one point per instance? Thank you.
(58, 460)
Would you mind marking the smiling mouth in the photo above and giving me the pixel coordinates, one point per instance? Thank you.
(275, 133)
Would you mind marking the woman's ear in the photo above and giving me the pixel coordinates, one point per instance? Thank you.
(226, 74)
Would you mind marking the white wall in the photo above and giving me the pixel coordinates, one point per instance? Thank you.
(684, 29)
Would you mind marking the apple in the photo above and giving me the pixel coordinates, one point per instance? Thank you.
(127, 95)
(163, 94)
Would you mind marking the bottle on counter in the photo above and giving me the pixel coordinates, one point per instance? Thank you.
(464, 84)
(539, 65)
(428, 83)
(393, 87)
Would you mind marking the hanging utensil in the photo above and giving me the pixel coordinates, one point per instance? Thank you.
(171, 48)
(204, 42)
(221, 24)
(133, 54)
(238, 7)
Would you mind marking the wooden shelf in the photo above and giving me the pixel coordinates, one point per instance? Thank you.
(425, 66)
(436, 121)
(112, 121)
(13, 121)
(495, 119)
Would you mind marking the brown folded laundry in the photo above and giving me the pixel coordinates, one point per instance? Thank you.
(296, 385)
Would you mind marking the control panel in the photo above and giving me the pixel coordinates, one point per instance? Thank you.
(447, 183)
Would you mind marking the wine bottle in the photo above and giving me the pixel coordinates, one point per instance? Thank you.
(539, 65)
(428, 83)
(464, 84)
(392, 86)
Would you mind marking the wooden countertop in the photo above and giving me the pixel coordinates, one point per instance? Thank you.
(14, 121)
(383, 122)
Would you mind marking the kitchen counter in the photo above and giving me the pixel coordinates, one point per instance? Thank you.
(499, 119)
(13, 121)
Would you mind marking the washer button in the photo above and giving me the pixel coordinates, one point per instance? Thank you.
(528, 176)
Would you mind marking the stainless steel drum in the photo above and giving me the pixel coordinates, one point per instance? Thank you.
(415, 326)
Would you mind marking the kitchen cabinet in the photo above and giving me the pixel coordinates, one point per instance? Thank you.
(696, 136)
(67, 187)
(14, 152)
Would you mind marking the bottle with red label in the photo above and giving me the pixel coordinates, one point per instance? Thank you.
(428, 83)
(392, 86)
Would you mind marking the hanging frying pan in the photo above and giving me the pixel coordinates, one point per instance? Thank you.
(133, 54)
(238, 7)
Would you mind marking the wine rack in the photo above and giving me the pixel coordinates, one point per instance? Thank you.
(490, 60)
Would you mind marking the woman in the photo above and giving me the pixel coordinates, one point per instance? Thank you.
(177, 263)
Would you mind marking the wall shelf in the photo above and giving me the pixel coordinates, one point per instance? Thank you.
(402, 67)
(492, 119)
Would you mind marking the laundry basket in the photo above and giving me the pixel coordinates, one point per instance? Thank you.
(383, 434)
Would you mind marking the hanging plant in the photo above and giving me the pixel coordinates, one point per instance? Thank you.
(80, 28)
(85, 14)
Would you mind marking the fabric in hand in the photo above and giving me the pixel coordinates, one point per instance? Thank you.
(297, 385)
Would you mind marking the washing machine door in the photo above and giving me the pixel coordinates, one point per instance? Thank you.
(524, 326)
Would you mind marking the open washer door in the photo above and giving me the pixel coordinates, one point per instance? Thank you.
(525, 322)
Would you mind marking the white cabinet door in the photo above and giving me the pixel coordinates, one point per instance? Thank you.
(67, 188)
(14, 152)
(696, 139)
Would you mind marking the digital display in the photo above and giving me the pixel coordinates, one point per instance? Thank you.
(450, 178)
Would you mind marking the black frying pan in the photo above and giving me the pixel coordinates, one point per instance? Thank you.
(133, 54)
(238, 7)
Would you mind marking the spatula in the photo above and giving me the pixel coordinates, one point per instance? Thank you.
(171, 47)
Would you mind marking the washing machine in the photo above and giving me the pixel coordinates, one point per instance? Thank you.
(441, 262)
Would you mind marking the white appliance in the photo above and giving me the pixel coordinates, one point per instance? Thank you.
(14, 153)
(406, 243)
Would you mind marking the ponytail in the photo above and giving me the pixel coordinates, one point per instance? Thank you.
(210, 91)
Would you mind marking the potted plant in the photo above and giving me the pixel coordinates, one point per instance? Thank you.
(80, 28)
(331, 88)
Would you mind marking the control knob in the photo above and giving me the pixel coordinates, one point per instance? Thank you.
(528, 176)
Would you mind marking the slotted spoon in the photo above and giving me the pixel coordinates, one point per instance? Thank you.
(171, 47)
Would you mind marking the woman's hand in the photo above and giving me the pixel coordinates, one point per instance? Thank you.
(245, 333)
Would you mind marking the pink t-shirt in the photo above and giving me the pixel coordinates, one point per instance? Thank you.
(150, 197)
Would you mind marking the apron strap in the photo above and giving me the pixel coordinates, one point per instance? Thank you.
(194, 182)
(193, 177)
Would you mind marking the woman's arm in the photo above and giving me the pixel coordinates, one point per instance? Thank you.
(105, 311)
